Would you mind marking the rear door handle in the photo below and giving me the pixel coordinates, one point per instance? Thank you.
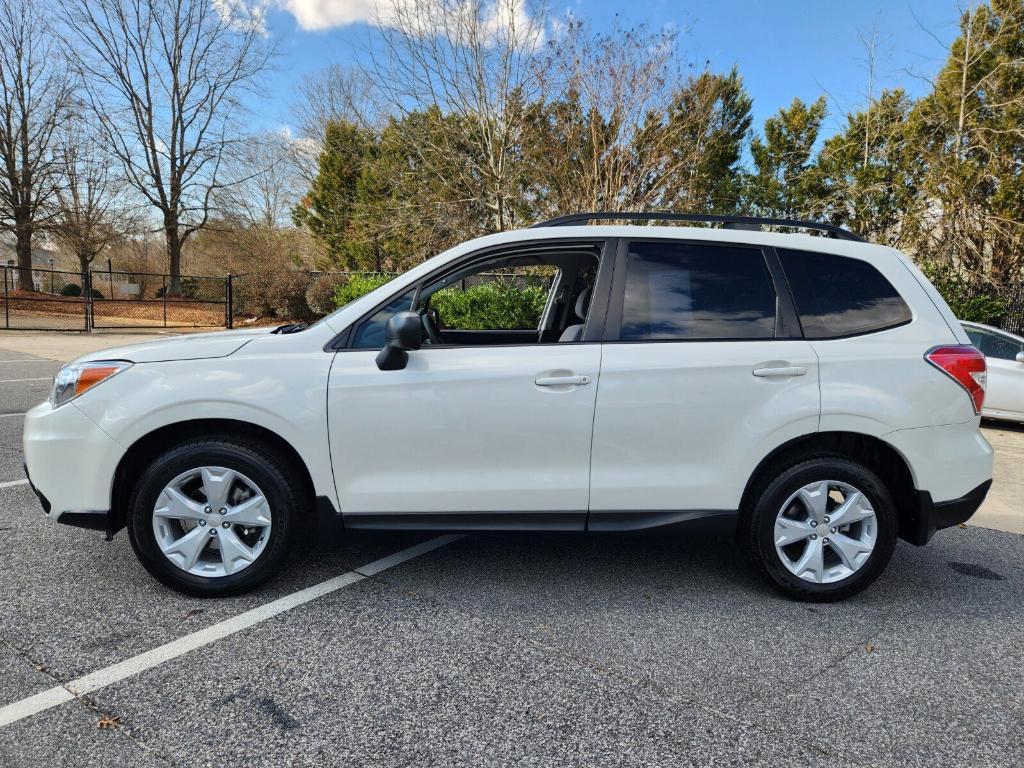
(792, 370)
(560, 381)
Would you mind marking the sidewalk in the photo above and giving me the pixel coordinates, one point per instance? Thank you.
(1003, 510)
(64, 347)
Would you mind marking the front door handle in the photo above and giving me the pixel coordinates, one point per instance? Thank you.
(560, 381)
(791, 370)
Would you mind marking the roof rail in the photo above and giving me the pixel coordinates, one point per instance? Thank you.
(729, 222)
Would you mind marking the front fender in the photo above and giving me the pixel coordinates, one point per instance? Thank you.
(285, 394)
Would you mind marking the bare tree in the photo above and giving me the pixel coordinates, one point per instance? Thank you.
(334, 93)
(92, 210)
(467, 63)
(164, 79)
(608, 136)
(263, 181)
(33, 98)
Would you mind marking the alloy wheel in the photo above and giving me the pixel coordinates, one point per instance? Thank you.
(211, 521)
(825, 531)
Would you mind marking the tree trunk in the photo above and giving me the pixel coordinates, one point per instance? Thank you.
(24, 251)
(174, 260)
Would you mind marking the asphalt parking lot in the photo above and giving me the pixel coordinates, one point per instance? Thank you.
(658, 649)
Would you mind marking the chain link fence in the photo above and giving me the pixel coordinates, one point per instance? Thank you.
(126, 300)
(1012, 319)
(998, 307)
(58, 300)
(43, 300)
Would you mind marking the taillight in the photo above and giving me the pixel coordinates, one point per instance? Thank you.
(965, 365)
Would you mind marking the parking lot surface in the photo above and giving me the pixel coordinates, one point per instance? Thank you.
(541, 649)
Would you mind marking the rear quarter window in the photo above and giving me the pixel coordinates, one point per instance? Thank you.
(838, 296)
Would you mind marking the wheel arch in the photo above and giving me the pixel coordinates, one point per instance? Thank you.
(150, 445)
(869, 450)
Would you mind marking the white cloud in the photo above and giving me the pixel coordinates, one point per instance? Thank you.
(325, 14)
(245, 15)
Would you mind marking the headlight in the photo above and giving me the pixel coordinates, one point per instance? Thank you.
(75, 378)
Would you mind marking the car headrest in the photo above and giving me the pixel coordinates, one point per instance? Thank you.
(581, 304)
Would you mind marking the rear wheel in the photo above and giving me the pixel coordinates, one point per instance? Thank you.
(214, 517)
(822, 530)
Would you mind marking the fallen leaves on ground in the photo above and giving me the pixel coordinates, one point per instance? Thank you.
(108, 721)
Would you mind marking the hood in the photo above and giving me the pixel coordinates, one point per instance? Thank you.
(195, 346)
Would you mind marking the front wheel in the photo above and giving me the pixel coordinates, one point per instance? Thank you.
(822, 530)
(213, 517)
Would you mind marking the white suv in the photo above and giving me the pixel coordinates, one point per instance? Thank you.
(816, 391)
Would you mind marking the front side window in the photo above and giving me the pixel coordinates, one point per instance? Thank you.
(372, 332)
(688, 291)
(839, 296)
(995, 345)
(492, 298)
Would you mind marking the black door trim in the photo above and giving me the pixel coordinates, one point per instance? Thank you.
(595, 316)
(787, 326)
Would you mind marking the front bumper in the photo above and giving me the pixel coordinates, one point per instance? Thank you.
(70, 463)
(933, 516)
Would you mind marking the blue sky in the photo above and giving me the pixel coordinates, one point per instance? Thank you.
(784, 48)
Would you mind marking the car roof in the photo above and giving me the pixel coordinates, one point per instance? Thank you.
(706, 234)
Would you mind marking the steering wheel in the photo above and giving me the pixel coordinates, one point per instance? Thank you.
(431, 325)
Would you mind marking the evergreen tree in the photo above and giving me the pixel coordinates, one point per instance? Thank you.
(709, 119)
(785, 182)
(871, 173)
(327, 209)
(971, 133)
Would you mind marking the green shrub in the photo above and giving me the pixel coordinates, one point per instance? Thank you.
(495, 305)
(491, 306)
(320, 293)
(96, 294)
(358, 286)
(71, 289)
(970, 300)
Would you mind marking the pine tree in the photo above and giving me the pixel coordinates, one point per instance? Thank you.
(785, 182)
(971, 133)
(871, 173)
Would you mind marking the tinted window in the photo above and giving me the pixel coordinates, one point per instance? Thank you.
(689, 291)
(371, 332)
(838, 296)
(994, 344)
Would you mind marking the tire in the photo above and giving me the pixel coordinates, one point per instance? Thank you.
(843, 574)
(236, 466)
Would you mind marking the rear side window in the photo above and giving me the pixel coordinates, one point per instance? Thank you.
(839, 296)
(680, 291)
(994, 344)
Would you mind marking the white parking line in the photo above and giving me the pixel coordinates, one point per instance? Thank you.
(10, 415)
(101, 678)
(15, 381)
(12, 483)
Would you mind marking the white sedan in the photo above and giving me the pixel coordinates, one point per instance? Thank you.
(1004, 351)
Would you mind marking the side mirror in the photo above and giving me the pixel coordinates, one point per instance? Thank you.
(404, 332)
(1020, 357)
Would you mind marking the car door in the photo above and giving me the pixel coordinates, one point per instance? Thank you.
(1004, 394)
(702, 373)
(465, 436)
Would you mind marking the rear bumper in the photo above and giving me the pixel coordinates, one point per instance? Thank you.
(934, 516)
